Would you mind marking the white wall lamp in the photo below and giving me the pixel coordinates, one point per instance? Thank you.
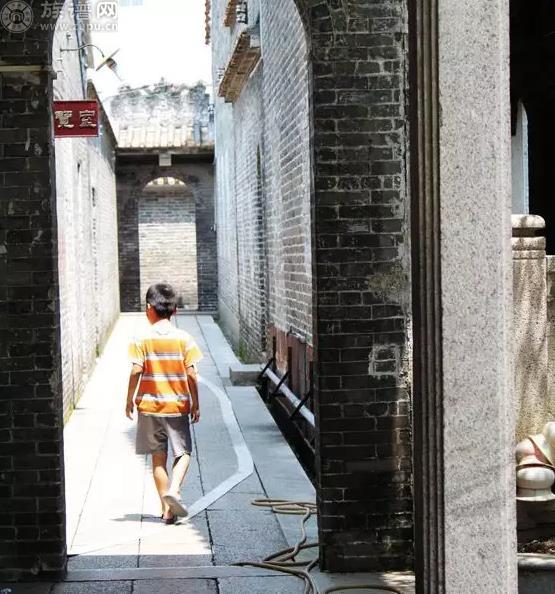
(107, 61)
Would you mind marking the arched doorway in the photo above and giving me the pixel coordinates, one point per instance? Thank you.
(135, 170)
(360, 264)
(168, 239)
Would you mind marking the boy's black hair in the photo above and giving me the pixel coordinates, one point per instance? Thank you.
(163, 298)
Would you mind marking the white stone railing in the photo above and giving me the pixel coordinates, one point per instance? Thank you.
(533, 326)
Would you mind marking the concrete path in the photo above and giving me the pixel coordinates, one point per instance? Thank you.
(116, 541)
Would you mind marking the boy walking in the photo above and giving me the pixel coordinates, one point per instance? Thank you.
(164, 360)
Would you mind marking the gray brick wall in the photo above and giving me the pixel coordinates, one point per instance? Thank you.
(104, 231)
(133, 174)
(249, 233)
(31, 476)
(87, 237)
(360, 258)
(56, 290)
(168, 241)
(363, 298)
(354, 83)
(287, 167)
(225, 189)
(263, 189)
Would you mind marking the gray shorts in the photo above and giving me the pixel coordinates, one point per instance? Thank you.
(154, 432)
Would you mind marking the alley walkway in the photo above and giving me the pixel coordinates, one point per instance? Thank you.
(117, 544)
(113, 508)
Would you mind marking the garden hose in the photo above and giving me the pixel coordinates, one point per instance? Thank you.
(284, 561)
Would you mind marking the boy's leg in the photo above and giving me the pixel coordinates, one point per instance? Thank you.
(152, 439)
(180, 468)
(173, 496)
(179, 435)
(161, 478)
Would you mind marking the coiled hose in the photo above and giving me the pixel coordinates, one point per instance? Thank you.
(284, 560)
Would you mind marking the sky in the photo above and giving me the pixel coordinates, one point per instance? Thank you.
(160, 38)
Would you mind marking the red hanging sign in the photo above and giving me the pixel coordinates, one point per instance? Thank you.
(75, 118)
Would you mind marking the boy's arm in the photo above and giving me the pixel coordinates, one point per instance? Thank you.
(134, 377)
(192, 380)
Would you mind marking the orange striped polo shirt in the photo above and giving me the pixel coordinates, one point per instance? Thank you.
(164, 352)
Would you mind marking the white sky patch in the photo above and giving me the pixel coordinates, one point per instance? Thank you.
(157, 38)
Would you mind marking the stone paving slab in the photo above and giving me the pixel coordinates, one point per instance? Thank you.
(111, 496)
(224, 356)
(403, 581)
(234, 501)
(273, 585)
(176, 587)
(106, 560)
(114, 512)
(276, 465)
(255, 535)
(167, 573)
(93, 588)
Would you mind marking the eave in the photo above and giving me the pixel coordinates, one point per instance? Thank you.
(243, 61)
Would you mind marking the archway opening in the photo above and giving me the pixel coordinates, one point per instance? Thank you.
(168, 239)
(333, 202)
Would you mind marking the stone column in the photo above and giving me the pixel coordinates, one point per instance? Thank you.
(475, 195)
(463, 389)
(530, 326)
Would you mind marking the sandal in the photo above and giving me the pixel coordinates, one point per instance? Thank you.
(168, 521)
(176, 506)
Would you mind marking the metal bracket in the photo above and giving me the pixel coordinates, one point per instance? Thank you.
(301, 404)
(263, 372)
(281, 382)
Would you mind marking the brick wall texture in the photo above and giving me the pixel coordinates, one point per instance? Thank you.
(58, 257)
(326, 108)
(353, 168)
(87, 235)
(263, 189)
(31, 475)
(195, 207)
(168, 241)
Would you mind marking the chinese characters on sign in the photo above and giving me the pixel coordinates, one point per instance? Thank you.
(75, 118)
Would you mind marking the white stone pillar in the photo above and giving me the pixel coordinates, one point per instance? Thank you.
(530, 326)
(550, 266)
(476, 296)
